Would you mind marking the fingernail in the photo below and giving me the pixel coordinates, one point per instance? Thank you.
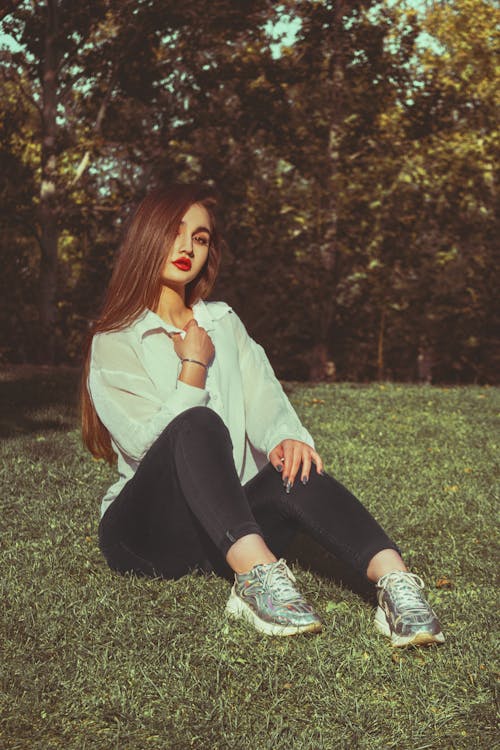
(285, 481)
(288, 487)
(305, 480)
(279, 467)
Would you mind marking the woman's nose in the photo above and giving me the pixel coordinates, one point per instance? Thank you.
(186, 244)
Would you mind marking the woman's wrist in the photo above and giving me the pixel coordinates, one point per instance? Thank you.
(194, 361)
(192, 373)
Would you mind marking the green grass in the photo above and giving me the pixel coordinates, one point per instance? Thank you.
(94, 660)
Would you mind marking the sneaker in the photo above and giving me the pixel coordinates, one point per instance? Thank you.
(403, 614)
(267, 597)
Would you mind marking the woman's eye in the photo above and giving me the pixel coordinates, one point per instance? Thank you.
(201, 240)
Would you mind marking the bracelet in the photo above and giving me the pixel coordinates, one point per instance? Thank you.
(196, 361)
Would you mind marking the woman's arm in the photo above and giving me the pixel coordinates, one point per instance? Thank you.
(195, 351)
(127, 400)
(270, 417)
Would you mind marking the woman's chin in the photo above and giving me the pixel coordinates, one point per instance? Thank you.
(175, 284)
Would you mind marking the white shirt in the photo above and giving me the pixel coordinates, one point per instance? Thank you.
(133, 383)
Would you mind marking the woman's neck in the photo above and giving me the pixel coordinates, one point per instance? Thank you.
(172, 307)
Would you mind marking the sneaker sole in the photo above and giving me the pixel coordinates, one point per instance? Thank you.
(238, 609)
(423, 638)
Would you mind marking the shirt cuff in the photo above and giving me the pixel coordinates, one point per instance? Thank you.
(189, 395)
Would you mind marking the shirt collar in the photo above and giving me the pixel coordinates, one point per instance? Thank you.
(205, 315)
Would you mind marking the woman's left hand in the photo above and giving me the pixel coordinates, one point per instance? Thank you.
(290, 455)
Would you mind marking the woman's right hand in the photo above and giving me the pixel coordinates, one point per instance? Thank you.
(196, 344)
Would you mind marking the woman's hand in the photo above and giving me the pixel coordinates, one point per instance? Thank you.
(196, 344)
(287, 458)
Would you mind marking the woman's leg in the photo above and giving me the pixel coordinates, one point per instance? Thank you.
(185, 507)
(326, 510)
(331, 514)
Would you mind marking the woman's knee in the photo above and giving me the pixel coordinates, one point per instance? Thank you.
(199, 420)
(202, 417)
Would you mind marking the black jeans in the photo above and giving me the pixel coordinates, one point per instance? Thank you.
(185, 507)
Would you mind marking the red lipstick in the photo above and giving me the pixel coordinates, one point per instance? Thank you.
(183, 264)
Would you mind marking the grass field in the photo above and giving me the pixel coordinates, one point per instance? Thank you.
(90, 660)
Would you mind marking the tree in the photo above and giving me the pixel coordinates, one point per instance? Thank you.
(438, 211)
(341, 75)
(101, 77)
(355, 169)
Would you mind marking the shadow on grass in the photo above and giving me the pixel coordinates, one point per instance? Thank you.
(311, 555)
(36, 399)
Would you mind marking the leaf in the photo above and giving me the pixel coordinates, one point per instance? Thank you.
(444, 583)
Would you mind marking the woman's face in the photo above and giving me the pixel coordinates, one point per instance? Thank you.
(189, 252)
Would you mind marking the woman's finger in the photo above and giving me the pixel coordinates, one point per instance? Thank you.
(276, 457)
(318, 462)
(296, 461)
(287, 460)
(306, 467)
(294, 454)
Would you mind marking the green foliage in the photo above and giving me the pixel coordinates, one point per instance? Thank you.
(94, 660)
(355, 168)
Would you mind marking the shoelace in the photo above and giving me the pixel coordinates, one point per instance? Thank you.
(279, 579)
(407, 588)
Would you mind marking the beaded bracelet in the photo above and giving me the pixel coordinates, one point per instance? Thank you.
(197, 362)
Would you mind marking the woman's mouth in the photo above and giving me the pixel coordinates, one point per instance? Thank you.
(183, 264)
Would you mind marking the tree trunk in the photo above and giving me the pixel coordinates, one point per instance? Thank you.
(47, 207)
(380, 348)
(329, 202)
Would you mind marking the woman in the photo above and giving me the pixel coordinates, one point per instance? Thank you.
(216, 471)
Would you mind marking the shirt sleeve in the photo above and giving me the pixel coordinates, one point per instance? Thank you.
(126, 399)
(270, 417)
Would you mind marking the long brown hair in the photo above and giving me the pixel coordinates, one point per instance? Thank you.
(135, 283)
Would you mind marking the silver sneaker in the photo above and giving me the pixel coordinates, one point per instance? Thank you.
(403, 614)
(267, 598)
